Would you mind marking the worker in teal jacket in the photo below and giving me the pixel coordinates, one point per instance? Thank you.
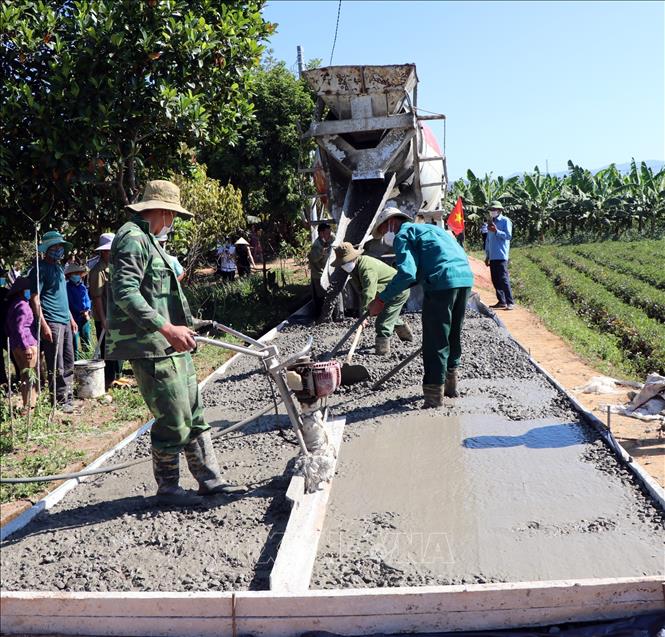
(426, 255)
(369, 276)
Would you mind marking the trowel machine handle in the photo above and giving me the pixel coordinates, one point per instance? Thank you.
(200, 324)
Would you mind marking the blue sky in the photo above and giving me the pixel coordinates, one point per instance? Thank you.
(521, 83)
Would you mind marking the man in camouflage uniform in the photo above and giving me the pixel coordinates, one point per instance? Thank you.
(317, 257)
(370, 276)
(149, 324)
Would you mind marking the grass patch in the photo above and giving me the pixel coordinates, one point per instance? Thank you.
(246, 304)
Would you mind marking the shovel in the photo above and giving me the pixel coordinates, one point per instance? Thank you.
(354, 373)
(397, 368)
(351, 330)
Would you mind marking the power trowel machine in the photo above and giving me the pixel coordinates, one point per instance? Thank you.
(304, 387)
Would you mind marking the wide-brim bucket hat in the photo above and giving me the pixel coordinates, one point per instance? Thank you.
(496, 205)
(384, 215)
(163, 195)
(345, 253)
(73, 268)
(53, 238)
(105, 241)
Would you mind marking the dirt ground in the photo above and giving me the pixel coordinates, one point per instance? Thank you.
(642, 440)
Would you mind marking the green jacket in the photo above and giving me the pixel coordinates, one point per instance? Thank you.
(318, 255)
(428, 255)
(370, 276)
(144, 294)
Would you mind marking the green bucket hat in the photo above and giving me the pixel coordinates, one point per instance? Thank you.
(161, 194)
(53, 238)
(496, 205)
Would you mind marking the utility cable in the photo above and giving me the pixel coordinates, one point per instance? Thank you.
(131, 463)
(332, 52)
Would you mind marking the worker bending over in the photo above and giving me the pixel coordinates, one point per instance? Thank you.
(369, 276)
(427, 255)
(148, 324)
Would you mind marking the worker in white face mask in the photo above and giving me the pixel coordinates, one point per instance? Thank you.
(427, 255)
(369, 277)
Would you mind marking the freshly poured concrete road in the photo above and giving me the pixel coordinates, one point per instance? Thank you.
(438, 499)
(552, 493)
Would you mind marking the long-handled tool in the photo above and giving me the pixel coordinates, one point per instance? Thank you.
(354, 373)
(98, 349)
(397, 367)
(344, 338)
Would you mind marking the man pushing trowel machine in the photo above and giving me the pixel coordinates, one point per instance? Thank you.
(149, 324)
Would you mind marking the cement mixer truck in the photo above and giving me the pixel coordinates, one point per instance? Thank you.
(374, 150)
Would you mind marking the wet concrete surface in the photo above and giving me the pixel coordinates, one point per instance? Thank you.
(431, 499)
(108, 535)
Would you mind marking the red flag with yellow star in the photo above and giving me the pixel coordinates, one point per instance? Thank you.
(456, 218)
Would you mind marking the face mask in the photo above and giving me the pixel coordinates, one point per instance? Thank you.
(75, 278)
(494, 213)
(26, 295)
(348, 267)
(56, 253)
(389, 238)
(167, 229)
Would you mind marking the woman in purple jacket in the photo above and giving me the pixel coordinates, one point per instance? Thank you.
(21, 329)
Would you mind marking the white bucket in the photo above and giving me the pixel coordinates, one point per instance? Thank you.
(89, 376)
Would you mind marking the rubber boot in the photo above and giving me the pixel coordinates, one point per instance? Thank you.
(450, 387)
(433, 396)
(166, 467)
(202, 462)
(404, 333)
(382, 346)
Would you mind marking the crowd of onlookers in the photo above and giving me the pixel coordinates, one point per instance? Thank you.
(49, 312)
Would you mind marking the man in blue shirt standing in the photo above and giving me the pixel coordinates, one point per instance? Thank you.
(497, 250)
(79, 305)
(57, 325)
(427, 255)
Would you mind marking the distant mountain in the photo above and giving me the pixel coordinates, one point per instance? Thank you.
(654, 164)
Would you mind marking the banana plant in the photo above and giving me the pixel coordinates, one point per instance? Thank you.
(539, 194)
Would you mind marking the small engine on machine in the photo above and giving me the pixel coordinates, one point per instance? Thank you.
(312, 383)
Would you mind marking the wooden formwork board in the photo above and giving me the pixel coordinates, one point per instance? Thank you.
(345, 612)
(295, 559)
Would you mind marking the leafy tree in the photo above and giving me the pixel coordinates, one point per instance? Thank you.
(218, 212)
(99, 95)
(265, 162)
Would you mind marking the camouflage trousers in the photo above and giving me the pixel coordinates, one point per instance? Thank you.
(168, 386)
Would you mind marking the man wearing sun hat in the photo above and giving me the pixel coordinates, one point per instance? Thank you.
(79, 304)
(369, 276)
(427, 255)
(57, 325)
(497, 252)
(149, 324)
